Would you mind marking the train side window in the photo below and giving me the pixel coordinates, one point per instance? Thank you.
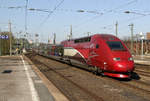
(97, 45)
(82, 40)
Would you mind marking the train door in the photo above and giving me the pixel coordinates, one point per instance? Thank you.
(93, 53)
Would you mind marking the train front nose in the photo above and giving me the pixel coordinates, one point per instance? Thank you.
(124, 66)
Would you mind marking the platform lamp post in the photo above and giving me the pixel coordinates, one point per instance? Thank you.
(142, 38)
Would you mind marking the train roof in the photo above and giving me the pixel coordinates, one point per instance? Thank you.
(103, 36)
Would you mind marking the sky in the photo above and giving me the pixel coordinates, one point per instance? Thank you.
(56, 16)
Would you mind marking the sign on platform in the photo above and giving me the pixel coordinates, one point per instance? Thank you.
(4, 37)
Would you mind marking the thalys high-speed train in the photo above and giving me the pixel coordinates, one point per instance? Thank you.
(104, 53)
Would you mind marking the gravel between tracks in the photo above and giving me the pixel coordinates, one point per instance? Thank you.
(80, 85)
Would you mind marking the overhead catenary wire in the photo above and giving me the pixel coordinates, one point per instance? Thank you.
(127, 20)
(106, 12)
(141, 15)
(124, 5)
(90, 19)
(51, 12)
(135, 18)
(93, 18)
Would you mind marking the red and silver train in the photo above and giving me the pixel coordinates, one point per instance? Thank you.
(103, 53)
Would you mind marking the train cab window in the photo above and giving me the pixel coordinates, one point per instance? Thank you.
(115, 45)
(97, 45)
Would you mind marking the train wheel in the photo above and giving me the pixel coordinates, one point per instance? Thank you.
(70, 63)
(95, 70)
(98, 71)
(101, 72)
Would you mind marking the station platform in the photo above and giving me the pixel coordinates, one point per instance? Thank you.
(142, 59)
(20, 80)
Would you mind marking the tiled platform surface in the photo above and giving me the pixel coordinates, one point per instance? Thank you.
(19, 82)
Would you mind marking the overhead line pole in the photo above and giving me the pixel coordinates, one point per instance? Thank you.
(88, 33)
(26, 8)
(131, 38)
(71, 32)
(116, 28)
(54, 41)
(10, 38)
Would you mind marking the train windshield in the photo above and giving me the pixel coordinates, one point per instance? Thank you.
(115, 45)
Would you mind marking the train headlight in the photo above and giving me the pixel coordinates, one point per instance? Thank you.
(130, 59)
(119, 65)
(116, 59)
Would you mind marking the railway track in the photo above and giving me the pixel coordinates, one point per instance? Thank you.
(139, 85)
(97, 98)
(79, 85)
(85, 94)
(142, 67)
(142, 72)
